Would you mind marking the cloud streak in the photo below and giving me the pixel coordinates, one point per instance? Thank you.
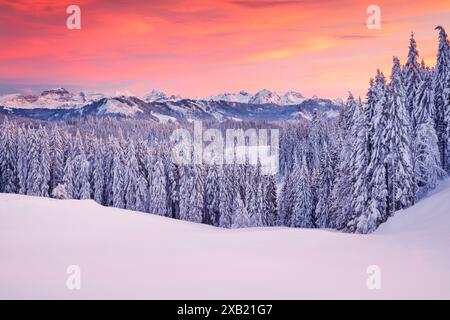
(198, 47)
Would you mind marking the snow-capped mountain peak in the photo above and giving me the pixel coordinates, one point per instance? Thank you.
(261, 97)
(264, 105)
(57, 92)
(241, 96)
(292, 97)
(159, 96)
(266, 96)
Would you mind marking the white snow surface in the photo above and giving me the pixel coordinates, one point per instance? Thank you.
(130, 255)
(164, 118)
(114, 106)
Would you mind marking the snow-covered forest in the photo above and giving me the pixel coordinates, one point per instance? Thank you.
(384, 153)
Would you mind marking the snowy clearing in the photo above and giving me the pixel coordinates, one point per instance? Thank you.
(128, 255)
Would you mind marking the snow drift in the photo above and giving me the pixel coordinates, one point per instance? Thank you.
(124, 254)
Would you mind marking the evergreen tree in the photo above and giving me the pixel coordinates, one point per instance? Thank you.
(341, 195)
(173, 189)
(325, 187)
(370, 111)
(359, 166)
(286, 198)
(158, 189)
(302, 198)
(377, 174)
(69, 179)
(212, 196)
(22, 159)
(257, 213)
(141, 194)
(8, 159)
(411, 74)
(428, 167)
(271, 203)
(44, 163)
(111, 150)
(441, 89)
(186, 186)
(196, 199)
(131, 174)
(34, 179)
(99, 174)
(82, 178)
(227, 193)
(400, 171)
(57, 158)
(118, 179)
(240, 217)
(424, 101)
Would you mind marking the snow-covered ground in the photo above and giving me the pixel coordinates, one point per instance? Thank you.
(124, 254)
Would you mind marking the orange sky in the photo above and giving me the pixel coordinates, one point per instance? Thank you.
(198, 47)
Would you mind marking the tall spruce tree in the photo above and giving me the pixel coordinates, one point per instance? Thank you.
(212, 195)
(325, 187)
(411, 74)
(359, 164)
(400, 176)
(377, 174)
(301, 201)
(341, 195)
(131, 175)
(158, 189)
(441, 91)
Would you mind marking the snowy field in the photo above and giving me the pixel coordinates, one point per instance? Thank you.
(129, 255)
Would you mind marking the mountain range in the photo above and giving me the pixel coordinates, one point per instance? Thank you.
(60, 104)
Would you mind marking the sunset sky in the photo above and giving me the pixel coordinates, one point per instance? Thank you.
(199, 47)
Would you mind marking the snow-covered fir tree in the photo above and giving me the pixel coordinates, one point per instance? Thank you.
(400, 176)
(131, 175)
(377, 175)
(441, 91)
(212, 195)
(411, 74)
(8, 159)
(325, 186)
(191, 193)
(424, 101)
(227, 193)
(359, 163)
(197, 193)
(301, 199)
(241, 217)
(98, 175)
(118, 178)
(341, 194)
(34, 178)
(258, 194)
(428, 168)
(57, 158)
(173, 190)
(271, 203)
(158, 189)
(44, 162)
(22, 159)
